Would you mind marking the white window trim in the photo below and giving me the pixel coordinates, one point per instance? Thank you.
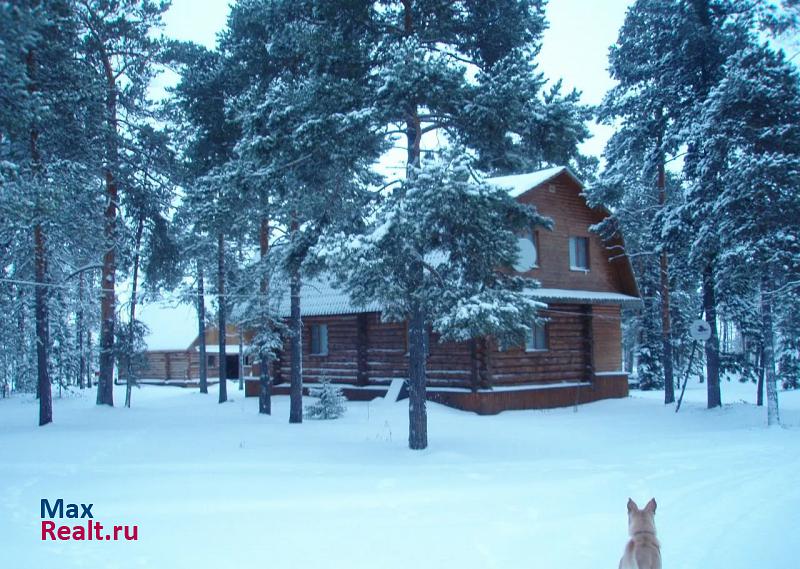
(572, 267)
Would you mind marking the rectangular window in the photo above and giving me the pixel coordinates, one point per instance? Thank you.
(319, 339)
(536, 338)
(534, 237)
(212, 361)
(579, 253)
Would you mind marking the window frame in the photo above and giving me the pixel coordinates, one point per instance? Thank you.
(211, 360)
(533, 235)
(531, 335)
(573, 253)
(322, 346)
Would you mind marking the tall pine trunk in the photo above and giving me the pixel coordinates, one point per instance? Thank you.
(43, 388)
(264, 380)
(770, 379)
(105, 384)
(222, 331)
(42, 340)
(201, 329)
(417, 410)
(132, 323)
(712, 345)
(296, 325)
(666, 321)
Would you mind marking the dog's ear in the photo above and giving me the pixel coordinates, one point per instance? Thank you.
(651, 506)
(632, 507)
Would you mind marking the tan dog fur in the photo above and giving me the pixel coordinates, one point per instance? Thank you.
(643, 550)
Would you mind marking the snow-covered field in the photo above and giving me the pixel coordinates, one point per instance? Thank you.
(218, 486)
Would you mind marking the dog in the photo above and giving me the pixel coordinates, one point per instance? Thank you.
(643, 550)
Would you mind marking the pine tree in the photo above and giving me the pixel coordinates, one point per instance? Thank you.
(751, 122)
(44, 196)
(464, 70)
(308, 137)
(119, 44)
(331, 402)
(213, 206)
(433, 255)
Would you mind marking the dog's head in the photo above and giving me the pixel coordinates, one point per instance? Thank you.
(641, 520)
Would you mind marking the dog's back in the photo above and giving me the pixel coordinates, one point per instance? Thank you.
(643, 550)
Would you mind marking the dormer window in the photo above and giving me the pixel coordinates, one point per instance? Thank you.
(579, 253)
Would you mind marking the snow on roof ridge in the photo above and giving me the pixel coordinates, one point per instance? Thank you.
(518, 184)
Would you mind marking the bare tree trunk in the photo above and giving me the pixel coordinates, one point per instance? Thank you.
(79, 324)
(760, 384)
(773, 414)
(89, 358)
(241, 358)
(712, 345)
(223, 367)
(264, 380)
(105, 384)
(666, 321)
(132, 323)
(201, 329)
(417, 409)
(42, 340)
(296, 364)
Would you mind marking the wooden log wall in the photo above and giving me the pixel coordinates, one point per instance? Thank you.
(561, 199)
(163, 364)
(607, 334)
(362, 350)
(564, 359)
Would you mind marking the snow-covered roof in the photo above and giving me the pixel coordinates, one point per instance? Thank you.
(318, 297)
(170, 326)
(582, 296)
(518, 184)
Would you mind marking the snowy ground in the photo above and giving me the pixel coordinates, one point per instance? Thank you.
(219, 486)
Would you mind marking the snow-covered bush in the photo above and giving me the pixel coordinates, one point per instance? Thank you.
(331, 402)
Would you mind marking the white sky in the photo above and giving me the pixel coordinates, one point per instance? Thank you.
(574, 49)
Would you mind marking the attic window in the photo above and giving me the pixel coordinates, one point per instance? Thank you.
(579, 253)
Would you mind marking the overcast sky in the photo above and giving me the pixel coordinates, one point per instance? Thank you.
(574, 49)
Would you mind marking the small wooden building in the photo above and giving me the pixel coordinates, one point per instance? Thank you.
(576, 357)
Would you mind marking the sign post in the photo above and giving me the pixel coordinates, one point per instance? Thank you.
(699, 331)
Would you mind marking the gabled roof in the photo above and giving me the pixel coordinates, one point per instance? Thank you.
(518, 184)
